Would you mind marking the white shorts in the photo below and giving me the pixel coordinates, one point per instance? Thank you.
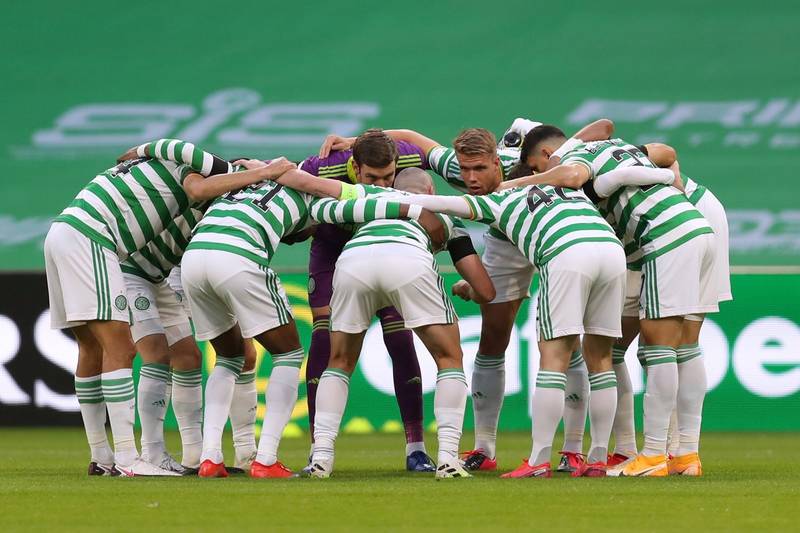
(368, 278)
(582, 290)
(510, 270)
(224, 289)
(174, 281)
(633, 293)
(714, 212)
(680, 282)
(84, 279)
(156, 310)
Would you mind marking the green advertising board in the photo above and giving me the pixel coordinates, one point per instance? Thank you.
(751, 350)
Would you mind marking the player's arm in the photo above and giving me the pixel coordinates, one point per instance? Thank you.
(182, 153)
(662, 155)
(447, 205)
(571, 176)
(599, 130)
(199, 188)
(637, 176)
(476, 286)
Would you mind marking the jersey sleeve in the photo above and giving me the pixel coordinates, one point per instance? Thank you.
(580, 157)
(484, 208)
(185, 153)
(410, 155)
(330, 211)
(442, 160)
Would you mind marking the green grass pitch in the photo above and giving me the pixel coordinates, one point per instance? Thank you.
(750, 484)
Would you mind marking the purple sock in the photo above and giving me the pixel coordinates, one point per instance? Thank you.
(405, 367)
(318, 355)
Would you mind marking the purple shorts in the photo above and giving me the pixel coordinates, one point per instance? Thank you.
(325, 250)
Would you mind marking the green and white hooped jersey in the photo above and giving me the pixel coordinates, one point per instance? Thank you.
(542, 220)
(156, 260)
(694, 191)
(252, 221)
(651, 220)
(443, 161)
(130, 204)
(400, 231)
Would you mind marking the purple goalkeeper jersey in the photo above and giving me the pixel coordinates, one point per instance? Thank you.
(329, 239)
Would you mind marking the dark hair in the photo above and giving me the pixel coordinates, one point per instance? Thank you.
(519, 170)
(374, 148)
(536, 136)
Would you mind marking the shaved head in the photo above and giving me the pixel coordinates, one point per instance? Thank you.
(414, 180)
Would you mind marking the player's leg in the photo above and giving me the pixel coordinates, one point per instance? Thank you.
(624, 430)
(354, 301)
(412, 283)
(602, 325)
(407, 386)
(263, 312)
(152, 391)
(321, 266)
(243, 411)
(692, 384)
(89, 391)
(511, 275)
(151, 343)
(576, 406)
(443, 341)
(72, 290)
(334, 388)
(187, 376)
(673, 286)
(202, 274)
(547, 405)
(187, 396)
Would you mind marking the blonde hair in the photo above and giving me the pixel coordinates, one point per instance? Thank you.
(475, 141)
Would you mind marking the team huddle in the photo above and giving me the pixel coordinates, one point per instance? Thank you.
(174, 239)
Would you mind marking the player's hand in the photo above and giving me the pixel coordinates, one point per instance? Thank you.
(277, 168)
(250, 164)
(128, 155)
(434, 227)
(335, 142)
(462, 289)
(678, 183)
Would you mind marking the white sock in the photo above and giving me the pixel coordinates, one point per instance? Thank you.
(93, 410)
(602, 406)
(673, 436)
(334, 386)
(548, 408)
(624, 425)
(152, 406)
(281, 398)
(219, 394)
(168, 395)
(576, 395)
(118, 395)
(488, 392)
(412, 447)
(243, 416)
(187, 402)
(449, 403)
(660, 396)
(691, 393)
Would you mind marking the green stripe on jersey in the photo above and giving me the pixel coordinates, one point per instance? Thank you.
(648, 219)
(542, 220)
(130, 204)
(251, 221)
